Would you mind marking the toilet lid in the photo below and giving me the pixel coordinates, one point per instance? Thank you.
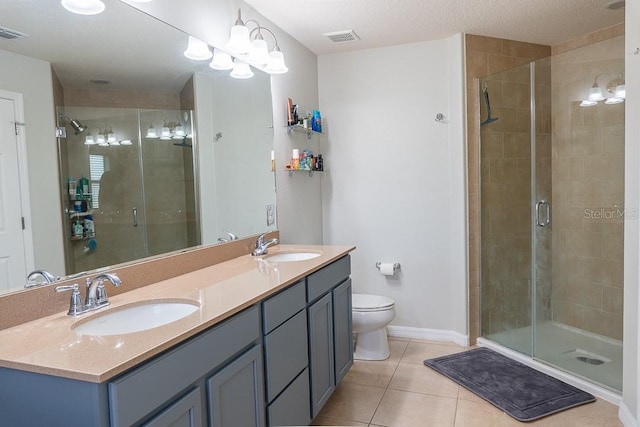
(370, 302)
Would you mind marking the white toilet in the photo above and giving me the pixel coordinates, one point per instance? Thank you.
(371, 315)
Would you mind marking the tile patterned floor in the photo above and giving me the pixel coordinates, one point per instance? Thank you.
(401, 391)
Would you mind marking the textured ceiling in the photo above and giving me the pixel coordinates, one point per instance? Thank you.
(391, 22)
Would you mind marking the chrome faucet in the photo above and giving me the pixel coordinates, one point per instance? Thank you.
(261, 245)
(227, 239)
(96, 294)
(48, 278)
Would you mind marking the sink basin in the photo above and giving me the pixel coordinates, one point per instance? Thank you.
(135, 318)
(292, 256)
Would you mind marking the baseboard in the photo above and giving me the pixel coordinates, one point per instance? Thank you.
(428, 334)
(626, 417)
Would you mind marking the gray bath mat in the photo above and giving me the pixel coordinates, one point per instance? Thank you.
(518, 390)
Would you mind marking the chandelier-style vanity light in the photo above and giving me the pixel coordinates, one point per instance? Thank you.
(248, 48)
(615, 88)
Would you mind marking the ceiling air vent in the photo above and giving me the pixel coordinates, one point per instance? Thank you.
(343, 36)
(8, 34)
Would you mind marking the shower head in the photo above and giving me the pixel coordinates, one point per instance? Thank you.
(75, 124)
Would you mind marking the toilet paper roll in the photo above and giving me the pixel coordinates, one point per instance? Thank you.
(386, 269)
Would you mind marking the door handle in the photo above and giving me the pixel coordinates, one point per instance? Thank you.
(547, 217)
(134, 211)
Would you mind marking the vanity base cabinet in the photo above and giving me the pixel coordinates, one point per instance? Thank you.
(186, 412)
(321, 352)
(330, 330)
(291, 408)
(235, 395)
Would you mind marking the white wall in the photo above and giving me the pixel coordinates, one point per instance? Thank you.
(631, 381)
(395, 181)
(298, 197)
(32, 78)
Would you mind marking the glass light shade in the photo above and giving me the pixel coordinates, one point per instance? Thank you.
(100, 139)
(221, 60)
(179, 132)
(614, 100)
(595, 94)
(621, 91)
(151, 132)
(241, 70)
(276, 63)
(197, 50)
(165, 133)
(83, 7)
(239, 42)
(259, 52)
(587, 103)
(126, 142)
(88, 140)
(111, 138)
(115, 142)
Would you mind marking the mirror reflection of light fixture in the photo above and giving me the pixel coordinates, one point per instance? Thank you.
(83, 7)
(126, 142)
(89, 140)
(615, 88)
(241, 70)
(197, 50)
(221, 60)
(151, 132)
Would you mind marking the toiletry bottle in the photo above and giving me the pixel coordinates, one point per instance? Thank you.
(319, 163)
(84, 187)
(89, 227)
(290, 121)
(71, 186)
(77, 229)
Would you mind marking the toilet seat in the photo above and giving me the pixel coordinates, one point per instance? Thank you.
(366, 302)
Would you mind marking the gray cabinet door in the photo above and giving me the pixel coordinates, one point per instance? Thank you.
(186, 412)
(342, 329)
(235, 395)
(321, 352)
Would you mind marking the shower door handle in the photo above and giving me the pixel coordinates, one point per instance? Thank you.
(547, 209)
(134, 211)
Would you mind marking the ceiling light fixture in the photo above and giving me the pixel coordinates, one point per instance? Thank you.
(83, 7)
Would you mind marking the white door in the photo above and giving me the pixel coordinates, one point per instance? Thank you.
(12, 248)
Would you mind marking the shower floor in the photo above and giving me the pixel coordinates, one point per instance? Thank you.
(589, 356)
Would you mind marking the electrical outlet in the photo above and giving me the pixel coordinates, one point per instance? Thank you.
(271, 215)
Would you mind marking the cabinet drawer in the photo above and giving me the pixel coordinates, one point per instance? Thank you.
(320, 282)
(139, 392)
(283, 306)
(291, 408)
(285, 353)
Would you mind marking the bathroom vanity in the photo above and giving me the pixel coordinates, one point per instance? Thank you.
(268, 345)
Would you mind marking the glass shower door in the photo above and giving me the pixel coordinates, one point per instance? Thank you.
(506, 199)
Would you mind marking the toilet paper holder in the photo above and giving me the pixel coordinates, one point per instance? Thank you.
(396, 266)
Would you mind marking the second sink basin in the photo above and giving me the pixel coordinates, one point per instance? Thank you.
(292, 256)
(135, 318)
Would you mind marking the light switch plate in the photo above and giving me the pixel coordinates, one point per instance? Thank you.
(271, 215)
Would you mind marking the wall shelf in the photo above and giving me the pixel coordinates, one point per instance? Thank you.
(300, 128)
(291, 171)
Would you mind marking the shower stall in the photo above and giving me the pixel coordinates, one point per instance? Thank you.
(552, 210)
(138, 165)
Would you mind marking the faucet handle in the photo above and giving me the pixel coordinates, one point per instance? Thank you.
(75, 304)
(260, 240)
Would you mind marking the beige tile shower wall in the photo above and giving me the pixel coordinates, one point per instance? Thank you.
(588, 191)
(485, 56)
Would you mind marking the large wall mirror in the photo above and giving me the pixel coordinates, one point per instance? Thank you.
(109, 187)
